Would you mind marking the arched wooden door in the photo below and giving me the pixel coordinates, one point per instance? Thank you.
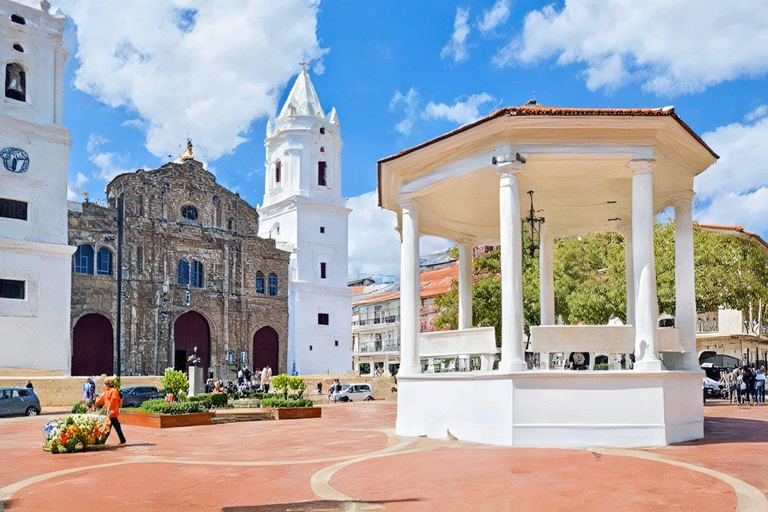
(190, 331)
(265, 349)
(93, 346)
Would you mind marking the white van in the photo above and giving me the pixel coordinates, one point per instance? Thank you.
(356, 393)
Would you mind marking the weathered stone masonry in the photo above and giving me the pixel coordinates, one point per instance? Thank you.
(156, 237)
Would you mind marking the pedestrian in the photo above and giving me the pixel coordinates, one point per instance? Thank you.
(748, 378)
(736, 386)
(29, 385)
(760, 386)
(320, 388)
(112, 401)
(265, 373)
(88, 391)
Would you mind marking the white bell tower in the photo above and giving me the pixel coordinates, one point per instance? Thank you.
(35, 260)
(305, 213)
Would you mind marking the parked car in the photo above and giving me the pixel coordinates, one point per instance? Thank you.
(712, 387)
(137, 395)
(18, 401)
(355, 393)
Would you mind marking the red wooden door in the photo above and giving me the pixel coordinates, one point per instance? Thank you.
(190, 331)
(93, 346)
(265, 349)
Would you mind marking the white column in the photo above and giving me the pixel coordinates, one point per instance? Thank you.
(646, 304)
(685, 291)
(512, 352)
(410, 361)
(465, 285)
(546, 285)
(630, 276)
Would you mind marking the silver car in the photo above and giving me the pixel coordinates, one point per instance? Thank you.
(18, 401)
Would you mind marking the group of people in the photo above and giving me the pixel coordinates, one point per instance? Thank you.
(745, 385)
(257, 381)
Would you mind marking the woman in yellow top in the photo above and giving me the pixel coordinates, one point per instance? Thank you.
(112, 402)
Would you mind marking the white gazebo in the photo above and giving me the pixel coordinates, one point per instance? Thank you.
(591, 170)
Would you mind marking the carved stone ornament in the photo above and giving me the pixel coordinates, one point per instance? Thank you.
(15, 159)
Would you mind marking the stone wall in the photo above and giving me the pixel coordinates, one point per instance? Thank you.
(156, 237)
(380, 386)
(56, 391)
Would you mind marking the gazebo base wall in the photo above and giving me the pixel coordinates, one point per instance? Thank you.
(566, 409)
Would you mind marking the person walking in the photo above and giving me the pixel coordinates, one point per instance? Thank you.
(740, 386)
(265, 374)
(88, 391)
(760, 386)
(749, 383)
(112, 401)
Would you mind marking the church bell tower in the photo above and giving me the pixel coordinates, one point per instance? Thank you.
(304, 212)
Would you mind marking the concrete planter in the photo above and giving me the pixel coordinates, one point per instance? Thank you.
(296, 413)
(140, 419)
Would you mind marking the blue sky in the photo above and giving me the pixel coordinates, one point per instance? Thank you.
(400, 72)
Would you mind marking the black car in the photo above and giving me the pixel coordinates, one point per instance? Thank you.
(137, 395)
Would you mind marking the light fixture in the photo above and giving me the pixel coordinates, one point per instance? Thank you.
(535, 223)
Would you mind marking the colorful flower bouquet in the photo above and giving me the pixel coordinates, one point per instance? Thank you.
(75, 433)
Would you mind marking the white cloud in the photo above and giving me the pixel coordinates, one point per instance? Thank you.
(671, 47)
(408, 103)
(196, 67)
(495, 16)
(735, 189)
(75, 187)
(462, 111)
(374, 245)
(759, 112)
(107, 163)
(456, 47)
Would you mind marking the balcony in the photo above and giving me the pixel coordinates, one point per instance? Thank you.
(373, 348)
(391, 319)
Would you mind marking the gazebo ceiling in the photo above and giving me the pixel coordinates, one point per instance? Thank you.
(578, 167)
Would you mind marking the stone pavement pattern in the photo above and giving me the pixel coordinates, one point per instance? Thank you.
(350, 459)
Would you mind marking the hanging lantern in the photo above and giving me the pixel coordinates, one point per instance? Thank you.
(535, 223)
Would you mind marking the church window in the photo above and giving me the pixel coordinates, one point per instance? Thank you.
(104, 262)
(322, 175)
(336, 343)
(322, 130)
(15, 82)
(259, 282)
(310, 348)
(83, 259)
(12, 289)
(11, 209)
(189, 213)
(272, 285)
(322, 229)
(322, 270)
(18, 48)
(197, 275)
(183, 273)
(323, 319)
(278, 171)
(231, 224)
(18, 19)
(322, 149)
(139, 260)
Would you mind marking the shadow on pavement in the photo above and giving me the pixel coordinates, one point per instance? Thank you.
(721, 430)
(316, 506)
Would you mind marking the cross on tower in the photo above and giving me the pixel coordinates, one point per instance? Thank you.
(303, 65)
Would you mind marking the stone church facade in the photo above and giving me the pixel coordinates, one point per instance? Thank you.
(194, 274)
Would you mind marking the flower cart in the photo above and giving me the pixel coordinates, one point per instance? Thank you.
(75, 433)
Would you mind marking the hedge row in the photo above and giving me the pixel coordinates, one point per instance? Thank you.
(281, 402)
(160, 406)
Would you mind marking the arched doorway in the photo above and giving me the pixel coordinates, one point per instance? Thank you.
(265, 349)
(92, 346)
(190, 331)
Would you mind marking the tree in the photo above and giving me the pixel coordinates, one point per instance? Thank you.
(590, 284)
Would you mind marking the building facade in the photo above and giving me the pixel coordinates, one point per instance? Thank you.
(376, 320)
(34, 149)
(194, 274)
(304, 211)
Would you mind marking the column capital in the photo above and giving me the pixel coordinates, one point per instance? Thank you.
(685, 197)
(409, 204)
(642, 166)
(509, 169)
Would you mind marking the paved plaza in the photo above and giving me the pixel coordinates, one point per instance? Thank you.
(350, 459)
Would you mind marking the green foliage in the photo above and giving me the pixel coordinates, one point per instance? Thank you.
(116, 379)
(281, 402)
(365, 368)
(590, 283)
(160, 406)
(78, 409)
(284, 383)
(175, 381)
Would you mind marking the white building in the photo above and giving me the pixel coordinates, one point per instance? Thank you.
(305, 212)
(35, 260)
(592, 170)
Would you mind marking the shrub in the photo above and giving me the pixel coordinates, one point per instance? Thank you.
(281, 402)
(285, 382)
(160, 406)
(210, 399)
(175, 381)
(78, 409)
(203, 400)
